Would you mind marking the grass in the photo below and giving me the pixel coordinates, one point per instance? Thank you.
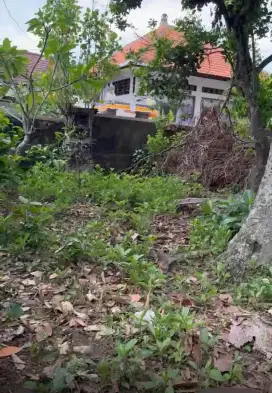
(89, 236)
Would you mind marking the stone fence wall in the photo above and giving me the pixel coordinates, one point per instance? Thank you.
(115, 139)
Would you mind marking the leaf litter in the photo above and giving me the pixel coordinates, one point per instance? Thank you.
(105, 292)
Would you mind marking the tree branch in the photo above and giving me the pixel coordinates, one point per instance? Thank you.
(69, 84)
(47, 94)
(264, 63)
(12, 115)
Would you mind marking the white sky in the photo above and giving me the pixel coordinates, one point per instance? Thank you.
(12, 23)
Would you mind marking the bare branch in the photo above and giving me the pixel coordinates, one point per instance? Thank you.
(48, 92)
(264, 63)
(42, 52)
(69, 84)
(12, 115)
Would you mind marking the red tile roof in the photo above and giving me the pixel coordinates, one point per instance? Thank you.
(32, 59)
(213, 65)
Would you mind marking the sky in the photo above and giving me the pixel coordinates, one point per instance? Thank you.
(14, 14)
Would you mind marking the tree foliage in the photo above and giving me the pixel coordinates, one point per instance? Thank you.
(62, 30)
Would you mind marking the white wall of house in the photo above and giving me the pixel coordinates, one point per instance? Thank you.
(200, 97)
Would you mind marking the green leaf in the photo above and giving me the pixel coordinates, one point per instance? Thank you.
(216, 375)
(204, 335)
(172, 373)
(150, 384)
(31, 385)
(15, 311)
(170, 389)
(130, 344)
(59, 379)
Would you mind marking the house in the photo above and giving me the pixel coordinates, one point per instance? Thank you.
(207, 87)
(34, 63)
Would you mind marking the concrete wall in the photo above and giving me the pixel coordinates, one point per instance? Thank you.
(115, 138)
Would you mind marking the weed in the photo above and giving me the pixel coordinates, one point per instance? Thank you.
(219, 222)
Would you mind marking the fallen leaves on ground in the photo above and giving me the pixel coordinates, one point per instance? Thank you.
(66, 308)
(226, 299)
(8, 351)
(223, 361)
(43, 331)
(180, 299)
(252, 329)
(18, 363)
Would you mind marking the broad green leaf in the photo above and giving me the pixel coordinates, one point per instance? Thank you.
(169, 389)
(216, 375)
(31, 385)
(131, 344)
(172, 373)
(150, 384)
(15, 311)
(204, 335)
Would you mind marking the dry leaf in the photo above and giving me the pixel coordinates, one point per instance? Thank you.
(43, 331)
(18, 363)
(252, 329)
(226, 299)
(8, 351)
(135, 236)
(224, 362)
(135, 298)
(64, 348)
(187, 373)
(270, 311)
(188, 344)
(83, 349)
(191, 280)
(28, 282)
(77, 322)
(56, 302)
(91, 297)
(81, 315)
(92, 328)
(92, 279)
(49, 370)
(66, 307)
(33, 377)
(116, 310)
(196, 353)
(180, 299)
(53, 275)
(37, 274)
(20, 330)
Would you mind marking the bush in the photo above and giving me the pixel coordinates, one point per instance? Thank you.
(9, 163)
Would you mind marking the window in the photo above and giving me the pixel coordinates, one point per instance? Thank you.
(212, 91)
(121, 87)
(192, 87)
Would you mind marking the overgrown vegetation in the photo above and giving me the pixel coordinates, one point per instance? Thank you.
(160, 339)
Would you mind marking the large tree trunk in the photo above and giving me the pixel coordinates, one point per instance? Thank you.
(262, 143)
(254, 241)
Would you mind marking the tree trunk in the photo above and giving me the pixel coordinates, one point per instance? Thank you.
(262, 144)
(254, 241)
(25, 144)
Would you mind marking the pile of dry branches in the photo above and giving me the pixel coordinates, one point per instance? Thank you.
(212, 151)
